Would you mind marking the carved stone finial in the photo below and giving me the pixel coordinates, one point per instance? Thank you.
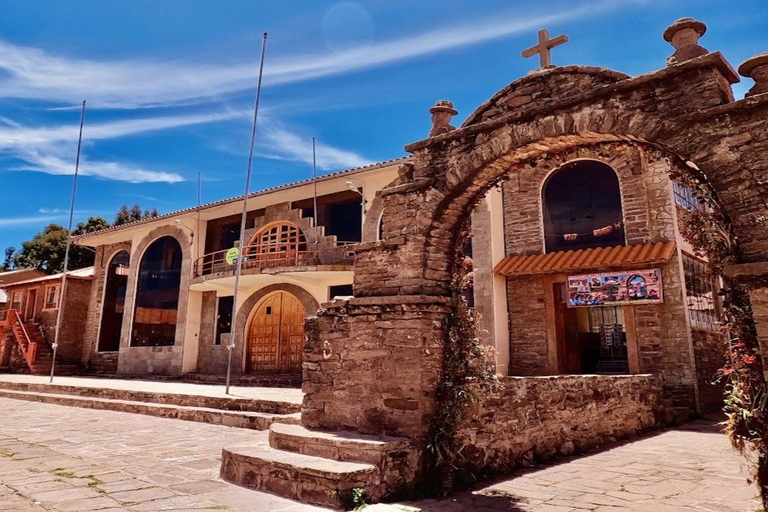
(684, 35)
(442, 113)
(405, 172)
(756, 68)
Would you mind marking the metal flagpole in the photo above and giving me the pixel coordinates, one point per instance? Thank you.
(199, 203)
(239, 265)
(314, 182)
(63, 287)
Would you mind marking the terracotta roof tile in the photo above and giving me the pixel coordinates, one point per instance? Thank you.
(586, 259)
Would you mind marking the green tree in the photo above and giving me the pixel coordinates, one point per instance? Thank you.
(133, 214)
(46, 249)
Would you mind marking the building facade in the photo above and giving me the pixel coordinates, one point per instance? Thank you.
(163, 296)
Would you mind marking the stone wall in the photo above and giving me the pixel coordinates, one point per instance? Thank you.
(536, 418)
(372, 365)
(710, 351)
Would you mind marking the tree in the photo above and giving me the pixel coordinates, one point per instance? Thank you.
(9, 252)
(133, 214)
(46, 250)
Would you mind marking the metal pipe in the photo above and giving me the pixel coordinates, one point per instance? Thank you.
(314, 182)
(63, 287)
(239, 265)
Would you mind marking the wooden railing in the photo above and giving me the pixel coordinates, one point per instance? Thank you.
(27, 345)
(215, 262)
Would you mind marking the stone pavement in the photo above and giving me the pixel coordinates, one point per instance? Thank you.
(688, 469)
(64, 459)
(292, 395)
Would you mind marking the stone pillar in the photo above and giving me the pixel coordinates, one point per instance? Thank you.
(372, 365)
(756, 68)
(755, 277)
(684, 35)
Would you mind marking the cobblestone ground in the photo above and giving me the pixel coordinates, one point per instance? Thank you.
(66, 459)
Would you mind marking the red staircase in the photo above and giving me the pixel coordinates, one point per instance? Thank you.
(35, 349)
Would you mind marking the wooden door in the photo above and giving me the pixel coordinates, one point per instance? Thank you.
(568, 346)
(276, 335)
(29, 311)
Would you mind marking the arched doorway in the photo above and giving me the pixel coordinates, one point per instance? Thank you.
(276, 335)
(114, 302)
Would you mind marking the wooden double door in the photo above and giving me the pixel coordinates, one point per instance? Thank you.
(276, 335)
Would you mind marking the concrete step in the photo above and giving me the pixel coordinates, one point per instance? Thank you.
(314, 480)
(239, 419)
(341, 446)
(209, 402)
(270, 381)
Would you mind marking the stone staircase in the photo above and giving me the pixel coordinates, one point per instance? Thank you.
(233, 412)
(321, 468)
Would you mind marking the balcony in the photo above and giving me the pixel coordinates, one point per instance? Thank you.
(256, 261)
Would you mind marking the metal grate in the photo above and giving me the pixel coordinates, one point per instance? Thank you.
(685, 197)
(702, 288)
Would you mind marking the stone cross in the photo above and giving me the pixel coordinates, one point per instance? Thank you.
(543, 48)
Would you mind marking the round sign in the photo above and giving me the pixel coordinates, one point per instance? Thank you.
(232, 255)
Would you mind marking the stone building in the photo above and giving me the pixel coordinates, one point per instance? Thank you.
(573, 182)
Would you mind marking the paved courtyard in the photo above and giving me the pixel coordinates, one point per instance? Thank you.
(66, 459)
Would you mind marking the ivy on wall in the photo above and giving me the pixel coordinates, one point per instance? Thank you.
(746, 396)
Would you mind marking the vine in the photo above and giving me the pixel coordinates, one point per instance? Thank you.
(468, 374)
(746, 396)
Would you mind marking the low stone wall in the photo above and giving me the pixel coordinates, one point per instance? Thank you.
(537, 418)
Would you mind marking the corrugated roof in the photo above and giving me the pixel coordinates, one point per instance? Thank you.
(586, 259)
(268, 190)
(83, 273)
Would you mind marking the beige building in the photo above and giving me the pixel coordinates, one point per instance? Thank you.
(162, 300)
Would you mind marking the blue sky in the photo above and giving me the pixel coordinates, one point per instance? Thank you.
(170, 85)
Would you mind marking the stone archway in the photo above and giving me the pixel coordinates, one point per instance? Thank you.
(402, 284)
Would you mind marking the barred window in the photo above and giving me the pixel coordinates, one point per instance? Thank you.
(51, 297)
(685, 197)
(702, 298)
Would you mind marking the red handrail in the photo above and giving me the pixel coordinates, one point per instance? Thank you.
(27, 345)
(216, 261)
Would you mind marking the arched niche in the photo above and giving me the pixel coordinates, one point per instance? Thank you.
(581, 206)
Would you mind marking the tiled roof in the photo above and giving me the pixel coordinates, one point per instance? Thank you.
(586, 259)
(83, 273)
(276, 188)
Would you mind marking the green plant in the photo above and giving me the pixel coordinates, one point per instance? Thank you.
(746, 394)
(351, 499)
(467, 373)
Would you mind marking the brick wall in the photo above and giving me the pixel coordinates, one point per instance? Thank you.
(709, 349)
(663, 340)
(536, 418)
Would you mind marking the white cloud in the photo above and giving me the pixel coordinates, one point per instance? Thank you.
(281, 144)
(31, 73)
(22, 221)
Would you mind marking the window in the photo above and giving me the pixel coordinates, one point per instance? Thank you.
(157, 294)
(278, 244)
(16, 300)
(685, 197)
(223, 318)
(702, 288)
(52, 297)
(114, 303)
(339, 291)
(582, 207)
